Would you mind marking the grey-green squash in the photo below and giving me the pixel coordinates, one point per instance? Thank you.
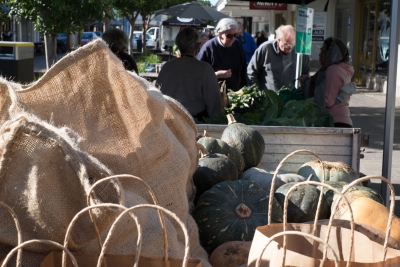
(334, 171)
(248, 141)
(263, 176)
(215, 145)
(303, 203)
(231, 211)
(330, 195)
(213, 169)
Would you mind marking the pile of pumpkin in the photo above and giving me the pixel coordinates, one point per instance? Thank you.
(233, 194)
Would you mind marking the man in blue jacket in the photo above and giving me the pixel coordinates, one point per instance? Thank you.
(247, 41)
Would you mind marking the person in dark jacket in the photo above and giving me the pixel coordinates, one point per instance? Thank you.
(117, 41)
(261, 39)
(226, 55)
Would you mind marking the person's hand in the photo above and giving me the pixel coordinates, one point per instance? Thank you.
(302, 79)
(223, 74)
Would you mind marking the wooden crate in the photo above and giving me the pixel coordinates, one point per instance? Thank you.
(330, 144)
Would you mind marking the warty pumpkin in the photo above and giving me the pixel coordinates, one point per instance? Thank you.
(334, 171)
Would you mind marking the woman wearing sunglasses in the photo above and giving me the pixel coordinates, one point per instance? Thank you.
(226, 55)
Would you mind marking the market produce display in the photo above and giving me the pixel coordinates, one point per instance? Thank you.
(253, 106)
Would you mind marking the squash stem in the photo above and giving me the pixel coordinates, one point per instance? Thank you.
(243, 211)
(231, 119)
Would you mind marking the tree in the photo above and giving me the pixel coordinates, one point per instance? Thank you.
(131, 9)
(51, 17)
(4, 16)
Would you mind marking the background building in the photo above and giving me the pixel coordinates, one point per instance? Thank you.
(364, 25)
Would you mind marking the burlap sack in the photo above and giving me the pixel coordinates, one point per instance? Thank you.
(124, 122)
(44, 178)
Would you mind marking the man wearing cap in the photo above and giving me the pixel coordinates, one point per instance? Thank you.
(226, 55)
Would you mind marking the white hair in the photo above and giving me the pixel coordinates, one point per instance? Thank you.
(283, 29)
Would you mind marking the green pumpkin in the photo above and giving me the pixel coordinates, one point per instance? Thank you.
(215, 145)
(231, 211)
(302, 206)
(262, 176)
(213, 169)
(248, 141)
(330, 195)
(334, 171)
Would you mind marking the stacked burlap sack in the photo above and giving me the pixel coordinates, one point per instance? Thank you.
(85, 119)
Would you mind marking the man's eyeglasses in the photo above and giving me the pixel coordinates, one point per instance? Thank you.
(286, 45)
(230, 36)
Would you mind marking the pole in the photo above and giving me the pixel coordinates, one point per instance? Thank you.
(390, 101)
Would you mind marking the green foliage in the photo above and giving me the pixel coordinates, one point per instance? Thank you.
(4, 17)
(55, 16)
(253, 106)
(148, 58)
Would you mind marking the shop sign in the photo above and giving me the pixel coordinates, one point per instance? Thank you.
(267, 6)
(319, 27)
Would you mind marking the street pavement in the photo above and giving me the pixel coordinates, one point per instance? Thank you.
(368, 110)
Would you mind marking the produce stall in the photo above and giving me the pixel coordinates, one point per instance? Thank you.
(331, 144)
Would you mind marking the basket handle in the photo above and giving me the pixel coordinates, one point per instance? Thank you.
(272, 191)
(258, 262)
(18, 228)
(43, 241)
(159, 208)
(104, 205)
(352, 227)
(149, 189)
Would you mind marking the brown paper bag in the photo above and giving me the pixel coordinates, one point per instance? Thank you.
(350, 246)
(302, 252)
(54, 259)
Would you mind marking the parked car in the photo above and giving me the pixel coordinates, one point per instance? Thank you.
(99, 33)
(87, 37)
(137, 35)
(154, 33)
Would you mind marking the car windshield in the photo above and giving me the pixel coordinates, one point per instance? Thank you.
(139, 36)
(87, 36)
(62, 35)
